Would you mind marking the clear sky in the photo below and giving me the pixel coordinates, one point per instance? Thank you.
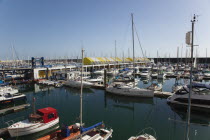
(59, 28)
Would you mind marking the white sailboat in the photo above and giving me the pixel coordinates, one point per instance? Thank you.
(142, 137)
(95, 132)
(77, 83)
(130, 90)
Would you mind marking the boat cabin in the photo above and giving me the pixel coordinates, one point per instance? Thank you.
(44, 115)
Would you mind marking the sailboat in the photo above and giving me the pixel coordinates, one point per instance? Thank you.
(77, 131)
(95, 132)
(142, 137)
(130, 90)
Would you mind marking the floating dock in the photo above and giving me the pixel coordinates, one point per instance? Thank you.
(13, 109)
(162, 94)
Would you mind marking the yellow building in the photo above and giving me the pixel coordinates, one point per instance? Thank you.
(110, 60)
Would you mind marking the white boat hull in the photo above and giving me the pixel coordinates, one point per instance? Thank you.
(15, 130)
(154, 75)
(134, 92)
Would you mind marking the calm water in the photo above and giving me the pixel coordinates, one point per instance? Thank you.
(126, 116)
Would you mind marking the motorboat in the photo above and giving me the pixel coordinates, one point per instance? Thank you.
(43, 119)
(112, 72)
(8, 98)
(154, 72)
(155, 86)
(176, 87)
(9, 95)
(145, 73)
(99, 72)
(169, 71)
(206, 73)
(95, 79)
(8, 89)
(200, 97)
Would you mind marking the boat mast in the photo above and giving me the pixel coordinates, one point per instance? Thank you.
(189, 97)
(206, 55)
(186, 57)
(115, 44)
(169, 59)
(133, 50)
(81, 93)
(177, 63)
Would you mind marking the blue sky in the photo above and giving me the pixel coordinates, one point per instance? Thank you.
(59, 28)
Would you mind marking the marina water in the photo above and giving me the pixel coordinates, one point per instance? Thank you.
(126, 116)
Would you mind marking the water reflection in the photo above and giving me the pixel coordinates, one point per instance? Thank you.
(76, 91)
(127, 100)
(196, 117)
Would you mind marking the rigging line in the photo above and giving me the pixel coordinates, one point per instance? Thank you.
(16, 53)
(139, 42)
(126, 33)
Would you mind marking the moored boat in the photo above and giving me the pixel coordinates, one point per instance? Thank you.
(43, 119)
(155, 86)
(126, 90)
(200, 97)
(77, 84)
(66, 133)
(142, 137)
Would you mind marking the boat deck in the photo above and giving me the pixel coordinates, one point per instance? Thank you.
(162, 94)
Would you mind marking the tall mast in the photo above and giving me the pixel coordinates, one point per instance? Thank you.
(81, 92)
(181, 53)
(115, 44)
(177, 58)
(189, 97)
(133, 50)
(186, 57)
(169, 58)
(206, 55)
